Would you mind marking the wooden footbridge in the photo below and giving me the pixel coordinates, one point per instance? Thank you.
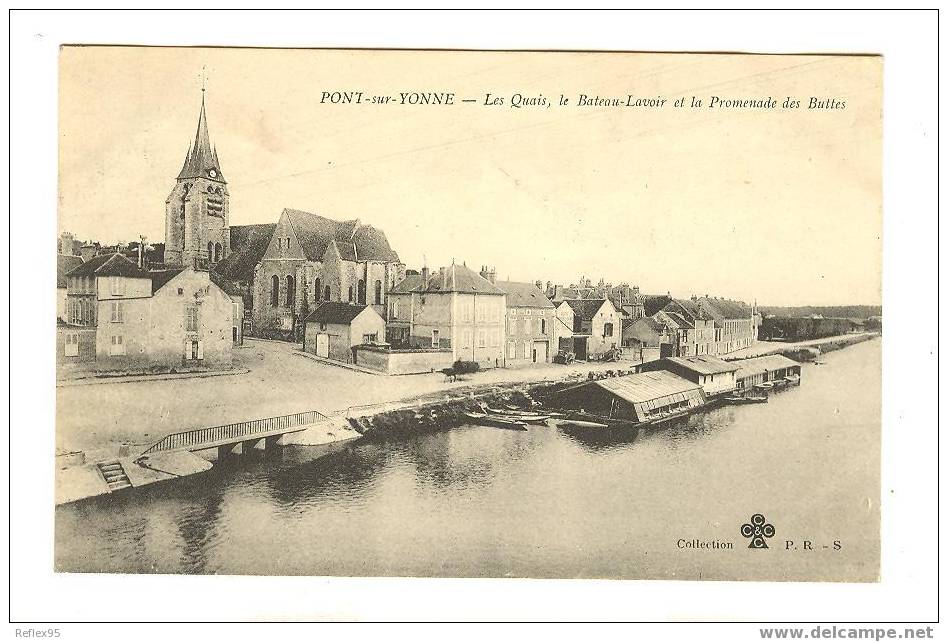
(244, 434)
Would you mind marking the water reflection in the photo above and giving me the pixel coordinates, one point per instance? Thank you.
(476, 500)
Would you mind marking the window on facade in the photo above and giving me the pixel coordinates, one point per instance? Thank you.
(395, 308)
(193, 350)
(191, 319)
(435, 339)
(290, 290)
(117, 285)
(607, 329)
(218, 252)
(280, 243)
(118, 312)
(481, 339)
(117, 345)
(210, 251)
(527, 326)
(370, 338)
(318, 289)
(511, 350)
(378, 292)
(72, 344)
(350, 294)
(466, 339)
(275, 291)
(361, 292)
(542, 326)
(326, 293)
(495, 338)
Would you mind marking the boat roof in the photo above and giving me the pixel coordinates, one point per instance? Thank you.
(645, 386)
(704, 364)
(759, 365)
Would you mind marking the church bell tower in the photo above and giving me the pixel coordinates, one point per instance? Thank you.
(197, 212)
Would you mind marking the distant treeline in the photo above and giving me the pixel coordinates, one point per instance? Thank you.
(829, 311)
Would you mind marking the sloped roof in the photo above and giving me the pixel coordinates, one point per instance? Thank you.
(646, 322)
(646, 386)
(654, 302)
(229, 287)
(523, 295)
(454, 278)
(585, 308)
(201, 156)
(704, 364)
(679, 320)
(355, 242)
(336, 312)
(65, 263)
(109, 265)
(759, 365)
(248, 244)
(411, 283)
(368, 244)
(728, 308)
(160, 278)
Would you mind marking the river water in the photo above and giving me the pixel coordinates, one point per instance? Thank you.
(478, 501)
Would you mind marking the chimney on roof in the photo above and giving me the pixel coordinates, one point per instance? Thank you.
(539, 284)
(635, 289)
(424, 276)
(694, 297)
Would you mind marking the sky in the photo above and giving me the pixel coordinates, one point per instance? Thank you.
(779, 206)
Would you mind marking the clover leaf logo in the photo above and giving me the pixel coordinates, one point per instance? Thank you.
(758, 531)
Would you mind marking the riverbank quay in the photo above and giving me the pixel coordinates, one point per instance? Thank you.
(801, 350)
(96, 418)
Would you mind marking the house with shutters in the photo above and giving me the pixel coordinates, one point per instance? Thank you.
(311, 259)
(531, 323)
(453, 308)
(125, 319)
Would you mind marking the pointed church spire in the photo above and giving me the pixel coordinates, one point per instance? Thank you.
(202, 157)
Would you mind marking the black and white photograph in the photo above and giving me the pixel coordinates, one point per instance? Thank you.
(514, 320)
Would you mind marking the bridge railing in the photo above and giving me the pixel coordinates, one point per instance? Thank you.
(232, 432)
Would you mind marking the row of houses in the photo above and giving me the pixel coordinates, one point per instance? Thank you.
(116, 317)
(339, 289)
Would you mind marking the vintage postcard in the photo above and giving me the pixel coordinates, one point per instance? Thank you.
(465, 314)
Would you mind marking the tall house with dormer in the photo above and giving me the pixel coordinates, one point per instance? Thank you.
(197, 229)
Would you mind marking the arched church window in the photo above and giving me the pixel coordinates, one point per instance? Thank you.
(210, 251)
(275, 291)
(327, 293)
(290, 294)
(218, 252)
(378, 292)
(319, 292)
(361, 292)
(350, 294)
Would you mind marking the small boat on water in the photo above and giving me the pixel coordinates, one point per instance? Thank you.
(524, 416)
(764, 386)
(569, 422)
(736, 400)
(793, 379)
(483, 419)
